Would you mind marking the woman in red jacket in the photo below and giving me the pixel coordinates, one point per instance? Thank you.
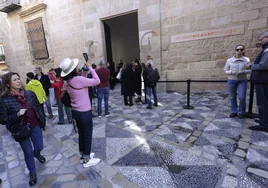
(58, 85)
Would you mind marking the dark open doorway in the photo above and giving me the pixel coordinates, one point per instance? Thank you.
(122, 38)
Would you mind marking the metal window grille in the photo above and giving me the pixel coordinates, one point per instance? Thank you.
(36, 39)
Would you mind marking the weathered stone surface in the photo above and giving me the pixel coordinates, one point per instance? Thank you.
(258, 172)
(229, 181)
(243, 145)
(240, 153)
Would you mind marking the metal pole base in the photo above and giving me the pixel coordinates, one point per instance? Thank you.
(188, 107)
(251, 115)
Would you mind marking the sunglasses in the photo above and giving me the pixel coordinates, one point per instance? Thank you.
(239, 50)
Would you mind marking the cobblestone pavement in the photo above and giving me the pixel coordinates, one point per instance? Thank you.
(164, 147)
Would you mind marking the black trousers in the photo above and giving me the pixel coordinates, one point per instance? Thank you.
(128, 99)
(262, 103)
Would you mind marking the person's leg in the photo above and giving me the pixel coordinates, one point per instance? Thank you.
(130, 100)
(68, 113)
(60, 112)
(155, 96)
(99, 93)
(262, 103)
(28, 155)
(232, 87)
(106, 99)
(87, 124)
(37, 140)
(48, 105)
(242, 92)
(145, 95)
(265, 105)
(148, 95)
(126, 100)
(80, 127)
(52, 96)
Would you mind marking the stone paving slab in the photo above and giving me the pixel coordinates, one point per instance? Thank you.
(164, 147)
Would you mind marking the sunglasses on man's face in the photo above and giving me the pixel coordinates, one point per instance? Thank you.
(239, 50)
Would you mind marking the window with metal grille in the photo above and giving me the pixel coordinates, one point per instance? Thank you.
(36, 39)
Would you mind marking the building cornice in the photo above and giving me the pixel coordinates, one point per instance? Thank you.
(32, 10)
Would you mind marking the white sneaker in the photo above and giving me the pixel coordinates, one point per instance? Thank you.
(91, 162)
(91, 156)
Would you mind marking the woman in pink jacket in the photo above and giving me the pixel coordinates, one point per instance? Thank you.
(77, 87)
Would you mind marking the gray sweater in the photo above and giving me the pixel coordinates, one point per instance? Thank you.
(235, 68)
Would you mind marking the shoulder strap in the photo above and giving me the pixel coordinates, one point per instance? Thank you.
(74, 87)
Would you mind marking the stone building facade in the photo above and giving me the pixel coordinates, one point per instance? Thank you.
(187, 38)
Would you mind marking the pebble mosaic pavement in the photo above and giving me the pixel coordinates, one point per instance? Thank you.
(164, 147)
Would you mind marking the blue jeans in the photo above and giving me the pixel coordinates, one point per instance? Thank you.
(148, 95)
(61, 114)
(29, 153)
(262, 103)
(48, 105)
(240, 87)
(85, 127)
(103, 92)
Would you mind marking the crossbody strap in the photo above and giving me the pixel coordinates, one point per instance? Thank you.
(74, 87)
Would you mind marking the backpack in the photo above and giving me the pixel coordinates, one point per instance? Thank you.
(153, 76)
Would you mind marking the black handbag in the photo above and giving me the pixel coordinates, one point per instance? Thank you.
(22, 133)
(65, 97)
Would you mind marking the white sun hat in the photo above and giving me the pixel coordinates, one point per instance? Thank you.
(67, 66)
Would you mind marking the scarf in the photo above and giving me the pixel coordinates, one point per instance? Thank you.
(19, 96)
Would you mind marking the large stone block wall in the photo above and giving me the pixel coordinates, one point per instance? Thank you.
(75, 26)
(205, 59)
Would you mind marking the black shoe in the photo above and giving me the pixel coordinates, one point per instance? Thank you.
(126, 104)
(33, 179)
(130, 104)
(41, 159)
(107, 114)
(258, 128)
(156, 105)
(257, 121)
(240, 116)
(233, 115)
(70, 121)
(148, 107)
(59, 123)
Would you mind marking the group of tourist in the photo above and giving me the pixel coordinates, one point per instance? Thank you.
(22, 110)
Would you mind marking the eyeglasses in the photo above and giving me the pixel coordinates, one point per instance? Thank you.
(239, 50)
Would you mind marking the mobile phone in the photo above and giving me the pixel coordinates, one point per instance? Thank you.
(85, 56)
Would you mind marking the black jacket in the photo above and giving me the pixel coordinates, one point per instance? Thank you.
(145, 77)
(128, 82)
(259, 73)
(9, 107)
(45, 81)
